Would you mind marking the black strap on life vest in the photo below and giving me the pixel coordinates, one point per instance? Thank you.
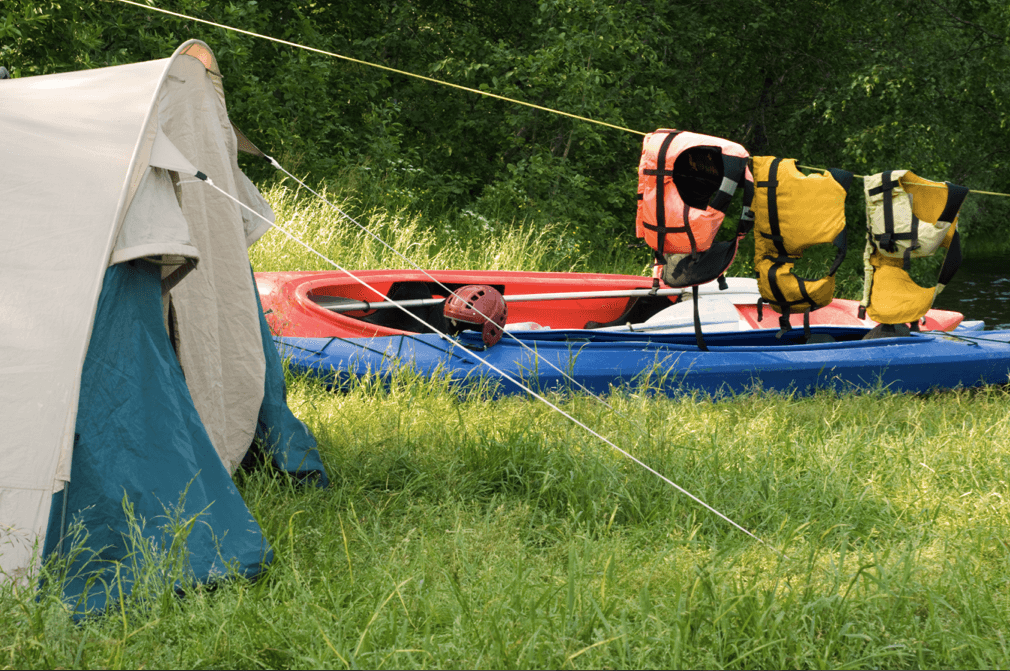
(886, 240)
(842, 245)
(784, 324)
(697, 321)
(734, 170)
(955, 198)
(660, 173)
(771, 185)
(773, 208)
(844, 179)
(952, 261)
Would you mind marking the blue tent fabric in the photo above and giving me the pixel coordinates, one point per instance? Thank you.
(284, 437)
(140, 438)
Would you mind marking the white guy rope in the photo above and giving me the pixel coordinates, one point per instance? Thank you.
(511, 379)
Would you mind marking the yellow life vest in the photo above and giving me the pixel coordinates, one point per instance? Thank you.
(793, 212)
(907, 217)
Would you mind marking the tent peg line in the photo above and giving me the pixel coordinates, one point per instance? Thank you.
(510, 378)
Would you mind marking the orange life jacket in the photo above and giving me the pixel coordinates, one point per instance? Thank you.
(685, 183)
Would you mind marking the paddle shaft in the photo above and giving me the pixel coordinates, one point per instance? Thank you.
(340, 304)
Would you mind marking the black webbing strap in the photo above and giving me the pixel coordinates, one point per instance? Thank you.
(747, 214)
(806, 297)
(773, 208)
(734, 169)
(780, 297)
(745, 224)
(660, 172)
(784, 325)
(952, 261)
(697, 321)
(843, 177)
(886, 239)
(840, 242)
(906, 258)
(955, 198)
(687, 229)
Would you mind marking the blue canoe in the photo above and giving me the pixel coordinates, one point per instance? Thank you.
(736, 361)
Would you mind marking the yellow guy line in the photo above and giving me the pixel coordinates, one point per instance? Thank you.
(935, 186)
(383, 67)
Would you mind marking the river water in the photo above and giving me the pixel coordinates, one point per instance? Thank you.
(980, 290)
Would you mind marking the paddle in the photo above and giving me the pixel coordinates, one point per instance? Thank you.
(341, 304)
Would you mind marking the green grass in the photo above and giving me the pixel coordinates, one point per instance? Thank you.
(466, 532)
(453, 240)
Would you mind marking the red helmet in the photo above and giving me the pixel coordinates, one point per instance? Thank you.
(480, 305)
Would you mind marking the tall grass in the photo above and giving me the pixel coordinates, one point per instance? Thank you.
(465, 532)
(402, 238)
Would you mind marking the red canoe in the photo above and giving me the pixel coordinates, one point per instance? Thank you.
(294, 303)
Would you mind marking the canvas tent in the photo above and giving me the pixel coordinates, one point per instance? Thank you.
(135, 362)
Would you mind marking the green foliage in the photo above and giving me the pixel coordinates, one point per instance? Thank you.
(863, 85)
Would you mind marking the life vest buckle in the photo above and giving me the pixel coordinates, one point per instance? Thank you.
(886, 243)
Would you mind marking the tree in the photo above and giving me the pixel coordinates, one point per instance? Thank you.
(864, 85)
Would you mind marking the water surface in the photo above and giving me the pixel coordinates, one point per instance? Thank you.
(980, 290)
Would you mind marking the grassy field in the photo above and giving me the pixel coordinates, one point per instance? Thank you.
(460, 532)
